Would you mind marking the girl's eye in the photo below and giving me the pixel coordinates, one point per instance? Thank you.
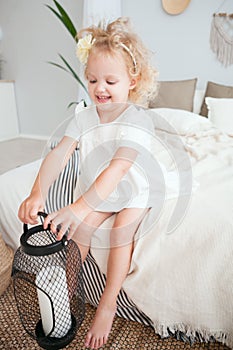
(111, 82)
(92, 81)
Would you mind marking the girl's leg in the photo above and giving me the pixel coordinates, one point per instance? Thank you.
(82, 238)
(83, 235)
(125, 226)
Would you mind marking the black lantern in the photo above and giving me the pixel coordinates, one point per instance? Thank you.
(48, 287)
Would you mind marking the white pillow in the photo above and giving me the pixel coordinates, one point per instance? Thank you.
(220, 113)
(179, 121)
(198, 100)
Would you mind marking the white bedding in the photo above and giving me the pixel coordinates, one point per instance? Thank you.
(181, 279)
(15, 185)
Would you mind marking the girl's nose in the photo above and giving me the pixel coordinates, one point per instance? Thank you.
(101, 87)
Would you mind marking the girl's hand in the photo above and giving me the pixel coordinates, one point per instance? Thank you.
(29, 208)
(62, 220)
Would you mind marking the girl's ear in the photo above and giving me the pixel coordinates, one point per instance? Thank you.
(133, 83)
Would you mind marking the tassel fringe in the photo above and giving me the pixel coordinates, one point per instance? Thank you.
(220, 42)
(187, 334)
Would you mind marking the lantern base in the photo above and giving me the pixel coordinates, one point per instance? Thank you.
(52, 343)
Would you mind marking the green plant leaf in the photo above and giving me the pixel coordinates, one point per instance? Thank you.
(64, 18)
(59, 66)
(73, 73)
(62, 15)
(76, 103)
(72, 103)
(70, 71)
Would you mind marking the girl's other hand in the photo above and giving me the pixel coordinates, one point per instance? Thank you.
(63, 220)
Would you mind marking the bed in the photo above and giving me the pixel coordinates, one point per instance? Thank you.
(181, 276)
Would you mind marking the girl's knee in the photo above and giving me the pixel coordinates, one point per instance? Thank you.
(125, 226)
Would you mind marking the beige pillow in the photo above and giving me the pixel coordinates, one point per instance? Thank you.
(217, 91)
(177, 94)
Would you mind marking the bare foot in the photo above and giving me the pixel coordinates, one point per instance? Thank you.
(101, 326)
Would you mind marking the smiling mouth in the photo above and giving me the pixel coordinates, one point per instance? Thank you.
(103, 99)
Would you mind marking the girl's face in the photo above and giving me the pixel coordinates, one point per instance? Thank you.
(108, 79)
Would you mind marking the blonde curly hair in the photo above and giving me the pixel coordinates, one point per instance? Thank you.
(118, 36)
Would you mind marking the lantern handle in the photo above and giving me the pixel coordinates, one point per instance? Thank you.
(40, 250)
(40, 213)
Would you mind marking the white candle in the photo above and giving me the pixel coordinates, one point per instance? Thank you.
(52, 281)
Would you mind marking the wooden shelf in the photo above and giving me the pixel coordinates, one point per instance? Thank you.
(6, 81)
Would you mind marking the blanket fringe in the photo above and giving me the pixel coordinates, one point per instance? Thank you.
(187, 334)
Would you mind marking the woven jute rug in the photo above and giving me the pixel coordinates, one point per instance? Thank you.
(124, 335)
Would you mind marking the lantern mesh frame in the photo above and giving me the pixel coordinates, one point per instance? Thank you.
(25, 272)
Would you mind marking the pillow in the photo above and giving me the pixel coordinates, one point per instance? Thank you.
(197, 100)
(217, 91)
(220, 113)
(178, 121)
(175, 94)
(61, 192)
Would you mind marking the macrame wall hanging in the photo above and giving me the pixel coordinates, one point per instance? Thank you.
(221, 37)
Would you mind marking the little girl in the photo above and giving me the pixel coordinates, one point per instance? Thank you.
(113, 138)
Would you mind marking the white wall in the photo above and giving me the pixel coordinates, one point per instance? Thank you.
(181, 43)
(33, 36)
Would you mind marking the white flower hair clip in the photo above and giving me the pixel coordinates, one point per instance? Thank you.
(83, 48)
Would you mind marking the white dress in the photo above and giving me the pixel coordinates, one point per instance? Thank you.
(98, 142)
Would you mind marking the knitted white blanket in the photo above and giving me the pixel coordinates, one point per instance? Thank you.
(183, 279)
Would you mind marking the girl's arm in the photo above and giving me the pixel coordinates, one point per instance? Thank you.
(50, 168)
(71, 216)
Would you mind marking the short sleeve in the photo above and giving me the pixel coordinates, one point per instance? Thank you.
(73, 129)
(136, 130)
